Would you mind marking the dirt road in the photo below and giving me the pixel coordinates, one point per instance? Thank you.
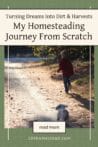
(33, 95)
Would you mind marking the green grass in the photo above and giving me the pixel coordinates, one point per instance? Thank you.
(82, 81)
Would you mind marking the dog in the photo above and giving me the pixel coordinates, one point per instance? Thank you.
(63, 114)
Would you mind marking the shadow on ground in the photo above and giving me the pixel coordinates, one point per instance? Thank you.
(84, 102)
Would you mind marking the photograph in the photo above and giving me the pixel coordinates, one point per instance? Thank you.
(49, 84)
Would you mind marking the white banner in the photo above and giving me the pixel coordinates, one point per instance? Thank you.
(49, 127)
(49, 27)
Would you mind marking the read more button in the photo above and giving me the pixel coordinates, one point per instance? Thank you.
(49, 127)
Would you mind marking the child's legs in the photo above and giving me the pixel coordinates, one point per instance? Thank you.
(66, 83)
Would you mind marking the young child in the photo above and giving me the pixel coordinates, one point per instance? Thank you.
(66, 67)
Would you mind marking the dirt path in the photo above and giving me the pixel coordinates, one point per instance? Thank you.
(34, 96)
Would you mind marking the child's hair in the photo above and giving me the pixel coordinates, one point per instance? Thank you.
(64, 54)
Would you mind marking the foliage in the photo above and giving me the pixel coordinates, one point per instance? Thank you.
(74, 52)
